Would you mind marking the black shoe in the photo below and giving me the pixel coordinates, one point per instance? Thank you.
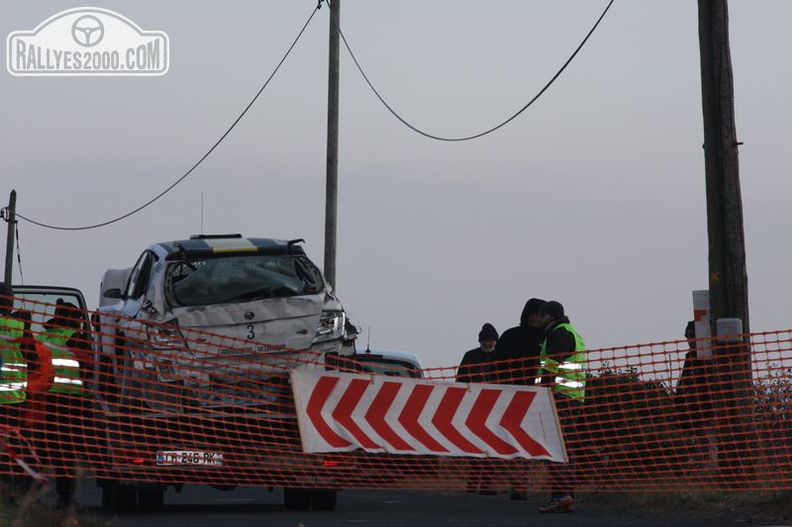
(517, 495)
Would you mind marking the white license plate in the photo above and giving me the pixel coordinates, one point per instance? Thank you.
(189, 457)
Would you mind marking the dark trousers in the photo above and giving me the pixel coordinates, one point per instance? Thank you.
(563, 476)
(64, 432)
(9, 470)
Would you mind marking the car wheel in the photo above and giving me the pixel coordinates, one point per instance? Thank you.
(119, 500)
(297, 499)
(151, 500)
(324, 500)
(107, 498)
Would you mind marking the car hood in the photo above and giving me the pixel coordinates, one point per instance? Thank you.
(289, 322)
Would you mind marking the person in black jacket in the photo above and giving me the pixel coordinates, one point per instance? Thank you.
(521, 342)
(694, 400)
(517, 357)
(478, 366)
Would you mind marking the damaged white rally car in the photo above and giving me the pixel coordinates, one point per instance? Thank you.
(223, 296)
(194, 344)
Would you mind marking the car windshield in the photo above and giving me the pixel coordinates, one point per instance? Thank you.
(240, 279)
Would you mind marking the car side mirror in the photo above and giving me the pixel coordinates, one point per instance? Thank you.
(113, 293)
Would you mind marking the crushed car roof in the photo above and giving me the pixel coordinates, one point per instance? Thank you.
(203, 245)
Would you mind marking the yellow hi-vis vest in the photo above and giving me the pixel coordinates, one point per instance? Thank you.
(67, 368)
(13, 367)
(570, 375)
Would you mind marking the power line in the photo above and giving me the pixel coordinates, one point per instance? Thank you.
(486, 132)
(201, 160)
(19, 254)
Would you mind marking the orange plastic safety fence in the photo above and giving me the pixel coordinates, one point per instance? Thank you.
(167, 405)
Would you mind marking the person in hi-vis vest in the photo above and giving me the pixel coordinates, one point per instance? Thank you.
(67, 411)
(13, 379)
(562, 365)
(13, 366)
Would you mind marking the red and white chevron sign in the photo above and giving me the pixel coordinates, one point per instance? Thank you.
(339, 412)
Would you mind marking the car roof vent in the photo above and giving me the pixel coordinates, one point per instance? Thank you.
(213, 236)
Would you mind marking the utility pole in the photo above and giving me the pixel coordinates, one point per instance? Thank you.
(728, 278)
(331, 185)
(11, 220)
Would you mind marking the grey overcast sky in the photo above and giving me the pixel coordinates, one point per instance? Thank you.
(594, 196)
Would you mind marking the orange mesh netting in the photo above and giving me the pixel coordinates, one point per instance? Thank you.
(207, 409)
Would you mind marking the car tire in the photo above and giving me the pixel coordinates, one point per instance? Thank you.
(151, 500)
(119, 500)
(297, 499)
(324, 500)
(107, 498)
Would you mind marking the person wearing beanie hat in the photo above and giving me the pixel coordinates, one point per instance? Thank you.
(478, 365)
(553, 309)
(562, 367)
(488, 332)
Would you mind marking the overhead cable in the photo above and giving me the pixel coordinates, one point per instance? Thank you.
(19, 254)
(201, 160)
(485, 132)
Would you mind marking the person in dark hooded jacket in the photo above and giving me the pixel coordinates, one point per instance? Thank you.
(694, 400)
(517, 356)
(521, 342)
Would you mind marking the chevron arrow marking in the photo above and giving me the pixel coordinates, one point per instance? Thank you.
(375, 416)
(346, 405)
(412, 412)
(444, 416)
(314, 408)
(512, 420)
(477, 422)
(342, 412)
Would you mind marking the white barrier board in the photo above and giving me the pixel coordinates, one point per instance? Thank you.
(340, 412)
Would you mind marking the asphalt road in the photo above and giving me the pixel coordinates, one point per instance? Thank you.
(205, 507)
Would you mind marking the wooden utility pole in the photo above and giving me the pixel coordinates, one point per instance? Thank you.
(9, 256)
(728, 278)
(331, 185)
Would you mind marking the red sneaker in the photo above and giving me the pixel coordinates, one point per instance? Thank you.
(563, 504)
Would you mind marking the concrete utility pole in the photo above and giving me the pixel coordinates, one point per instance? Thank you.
(331, 185)
(9, 256)
(728, 278)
